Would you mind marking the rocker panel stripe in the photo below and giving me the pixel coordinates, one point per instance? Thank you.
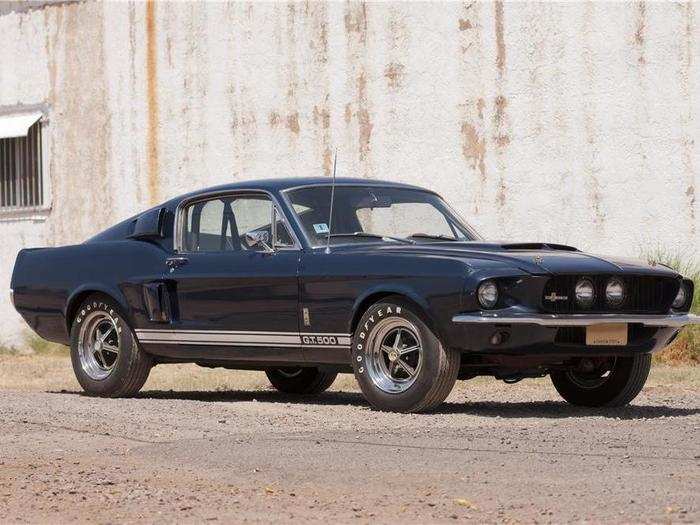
(242, 338)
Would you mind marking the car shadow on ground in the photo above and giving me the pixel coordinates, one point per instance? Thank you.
(515, 410)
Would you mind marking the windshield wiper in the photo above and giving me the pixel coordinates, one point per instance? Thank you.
(427, 236)
(373, 236)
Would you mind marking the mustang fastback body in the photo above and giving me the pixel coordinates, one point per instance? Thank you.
(303, 279)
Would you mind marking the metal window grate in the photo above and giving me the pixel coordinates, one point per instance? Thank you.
(21, 180)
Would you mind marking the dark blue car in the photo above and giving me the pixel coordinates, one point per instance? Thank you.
(394, 287)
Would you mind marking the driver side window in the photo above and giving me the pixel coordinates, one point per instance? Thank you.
(221, 224)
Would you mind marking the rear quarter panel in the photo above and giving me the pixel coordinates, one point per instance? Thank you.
(47, 282)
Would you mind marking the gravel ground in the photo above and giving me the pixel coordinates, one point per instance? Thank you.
(493, 453)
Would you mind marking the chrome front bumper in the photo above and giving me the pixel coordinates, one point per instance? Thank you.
(554, 320)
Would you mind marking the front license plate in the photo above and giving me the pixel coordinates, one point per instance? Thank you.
(614, 334)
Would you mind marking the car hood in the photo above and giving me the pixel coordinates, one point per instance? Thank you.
(535, 258)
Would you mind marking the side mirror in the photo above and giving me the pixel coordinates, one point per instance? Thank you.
(258, 239)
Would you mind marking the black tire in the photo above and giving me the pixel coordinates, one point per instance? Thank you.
(130, 368)
(625, 380)
(435, 370)
(300, 380)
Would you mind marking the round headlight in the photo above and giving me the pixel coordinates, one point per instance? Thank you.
(488, 294)
(681, 296)
(585, 293)
(615, 292)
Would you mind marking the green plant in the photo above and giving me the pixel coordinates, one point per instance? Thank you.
(686, 348)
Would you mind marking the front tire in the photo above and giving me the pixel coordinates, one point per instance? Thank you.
(106, 357)
(615, 385)
(299, 380)
(399, 362)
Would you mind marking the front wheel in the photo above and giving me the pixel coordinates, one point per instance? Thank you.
(611, 383)
(399, 363)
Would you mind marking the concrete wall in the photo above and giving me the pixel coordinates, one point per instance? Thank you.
(575, 122)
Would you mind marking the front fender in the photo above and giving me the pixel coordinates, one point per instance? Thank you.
(375, 293)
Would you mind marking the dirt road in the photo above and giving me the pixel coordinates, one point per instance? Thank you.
(494, 453)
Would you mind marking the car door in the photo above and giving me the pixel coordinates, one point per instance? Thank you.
(235, 280)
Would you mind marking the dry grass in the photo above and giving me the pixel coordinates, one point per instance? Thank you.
(33, 344)
(53, 372)
(686, 348)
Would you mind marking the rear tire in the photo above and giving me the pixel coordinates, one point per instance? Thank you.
(621, 385)
(106, 357)
(299, 380)
(399, 362)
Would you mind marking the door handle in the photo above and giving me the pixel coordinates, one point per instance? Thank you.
(176, 262)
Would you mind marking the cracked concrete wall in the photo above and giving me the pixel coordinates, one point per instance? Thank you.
(575, 123)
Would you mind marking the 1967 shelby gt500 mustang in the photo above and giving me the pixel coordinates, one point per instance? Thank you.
(304, 280)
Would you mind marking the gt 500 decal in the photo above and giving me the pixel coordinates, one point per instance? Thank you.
(319, 340)
(325, 339)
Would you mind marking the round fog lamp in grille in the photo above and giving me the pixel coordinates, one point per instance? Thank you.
(680, 299)
(615, 292)
(585, 293)
(488, 294)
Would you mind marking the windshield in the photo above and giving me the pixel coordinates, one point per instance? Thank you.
(376, 214)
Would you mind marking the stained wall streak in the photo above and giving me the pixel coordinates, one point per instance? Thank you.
(591, 158)
(152, 101)
(356, 31)
(640, 32)
(81, 136)
(363, 116)
(316, 15)
(500, 39)
(472, 127)
(500, 122)
(292, 117)
(688, 116)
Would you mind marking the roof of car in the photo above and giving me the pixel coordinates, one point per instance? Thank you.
(281, 184)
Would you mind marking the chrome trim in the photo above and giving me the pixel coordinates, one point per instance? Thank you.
(672, 320)
(179, 215)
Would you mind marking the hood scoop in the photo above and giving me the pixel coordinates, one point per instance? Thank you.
(529, 246)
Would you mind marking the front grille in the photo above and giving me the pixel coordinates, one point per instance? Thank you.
(644, 294)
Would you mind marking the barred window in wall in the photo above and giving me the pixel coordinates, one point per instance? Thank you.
(21, 180)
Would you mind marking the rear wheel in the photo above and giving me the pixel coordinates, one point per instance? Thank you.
(106, 358)
(300, 380)
(611, 383)
(399, 362)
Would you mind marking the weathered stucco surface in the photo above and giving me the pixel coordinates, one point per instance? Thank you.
(575, 123)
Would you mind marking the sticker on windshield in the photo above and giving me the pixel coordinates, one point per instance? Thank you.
(321, 228)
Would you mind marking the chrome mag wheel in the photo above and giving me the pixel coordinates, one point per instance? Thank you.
(98, 345)
(395, 355)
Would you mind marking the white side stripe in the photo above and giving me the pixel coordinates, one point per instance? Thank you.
(221, 337)
(243, 338)
(166, 331)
